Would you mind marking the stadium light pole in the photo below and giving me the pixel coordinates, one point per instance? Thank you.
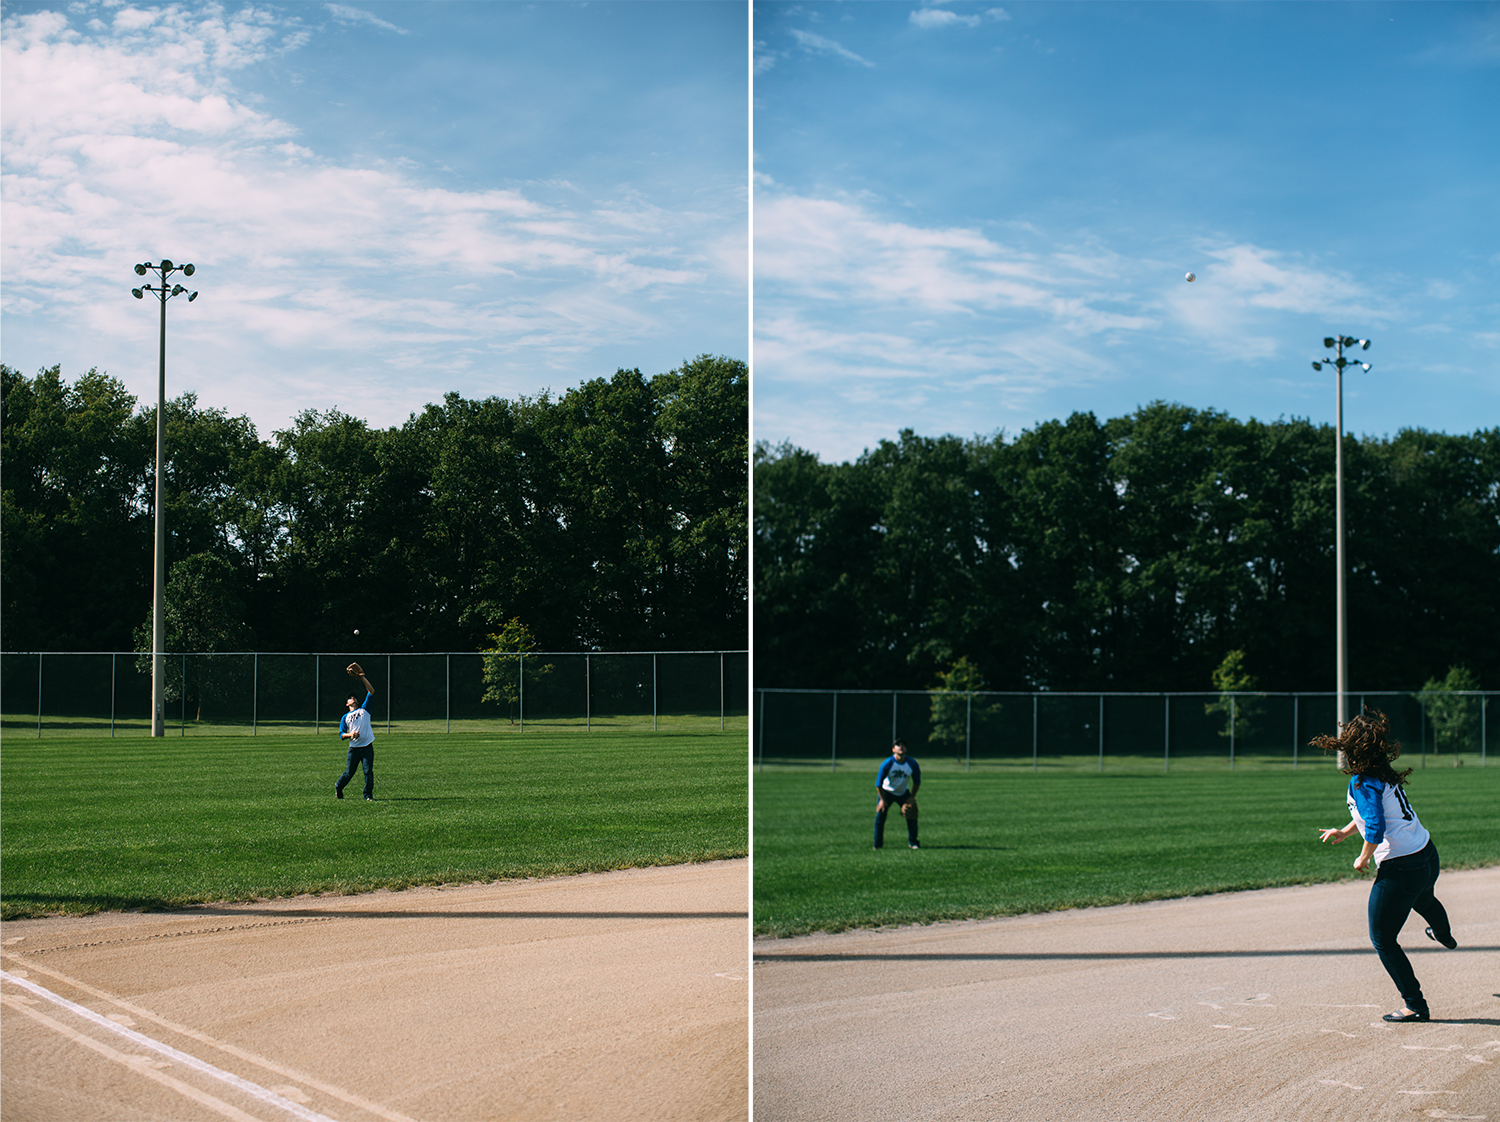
(1338, 362)
(163, 292)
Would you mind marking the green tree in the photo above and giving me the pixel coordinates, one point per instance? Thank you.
(505, 664)
(1453, 708)
(205, 615)
(1237, 702)
(954, 709)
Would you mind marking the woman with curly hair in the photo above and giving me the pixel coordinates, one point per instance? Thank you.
(1405, 858)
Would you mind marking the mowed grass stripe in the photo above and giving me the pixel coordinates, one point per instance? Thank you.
(101, 824)
(1006, 843)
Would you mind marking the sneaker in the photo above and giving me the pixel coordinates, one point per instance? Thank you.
(338, 792)
(914, 845)
(369, 798)
(1450, 942)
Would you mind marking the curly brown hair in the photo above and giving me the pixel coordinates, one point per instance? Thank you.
(1366, 747)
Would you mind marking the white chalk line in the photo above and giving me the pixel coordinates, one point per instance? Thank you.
(250, 1057)
(254, 1090)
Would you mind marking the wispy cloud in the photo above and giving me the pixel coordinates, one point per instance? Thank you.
(934, 17)
(346, 14)
(817, 44)
(130, 140)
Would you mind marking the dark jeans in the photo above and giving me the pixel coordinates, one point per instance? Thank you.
(1404, 885)
(357, 756)
(907, 800)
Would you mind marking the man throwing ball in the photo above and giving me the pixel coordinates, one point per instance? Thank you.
(356, 728)
(897, 783)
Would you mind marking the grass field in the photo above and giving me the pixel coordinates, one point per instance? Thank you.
(91, 823)
(1009, 841)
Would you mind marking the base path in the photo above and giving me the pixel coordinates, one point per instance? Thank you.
(1246, 1007)
(618, 995)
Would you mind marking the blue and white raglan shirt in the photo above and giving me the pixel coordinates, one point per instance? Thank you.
(364, 735)
(1385, 818)
(895, 776)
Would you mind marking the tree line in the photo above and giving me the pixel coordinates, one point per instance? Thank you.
(1130, 554)
(612, 516)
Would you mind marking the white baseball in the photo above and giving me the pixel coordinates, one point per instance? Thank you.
(1191, 278)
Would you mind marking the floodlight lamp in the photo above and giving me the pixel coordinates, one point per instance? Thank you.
(178, 290)
(166, 265)
(187, 270)
(1364, 344)
(1328, 343)
(193, 296)
(137, 293)
(140, 270)
(1317, 366)
(1366, 365)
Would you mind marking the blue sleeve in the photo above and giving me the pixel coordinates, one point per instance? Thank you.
(884, 769)
(343, 724)
(366, 705)
(916, 777)
(1367, 794)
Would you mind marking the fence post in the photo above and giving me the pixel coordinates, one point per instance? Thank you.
(254, 692)
(588, 694)
(1296, 737)
(1484, 717)
(653, 693)
(834, 765)
(112, 658)
(521, 690)
(1231, 732)
(1166, 736)
(1422, 701)
(968, 729)
(38, 695)
(448, 693)
(893, 716)
(184, 694)
(760, 732)
(390, 690)
(721, 691)
(317, 692)
(1033, 732)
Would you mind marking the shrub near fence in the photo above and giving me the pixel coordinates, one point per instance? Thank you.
(1090, 730)
(110, 693)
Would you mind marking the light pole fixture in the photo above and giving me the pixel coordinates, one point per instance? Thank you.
(164, 292)
(1338, 362)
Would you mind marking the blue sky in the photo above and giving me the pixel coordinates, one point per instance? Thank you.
(978, 216)
(384, 201)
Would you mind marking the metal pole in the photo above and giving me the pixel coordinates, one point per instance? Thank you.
(1341, 660)
(968, 730)
(184, 693)
(254, 693)
(390, 689)
(653, 693)
(447, 693)
(721, 691)
(760, 732)
(1033, 732)
(1101, 732)
(317, 690)
(159, 595)
(521, 690)
(1231, 732)
(1166, 736)
(39, 695)
(1296, 736)
(834, 764)
(112, 659)
(893, 716)
(588, 698)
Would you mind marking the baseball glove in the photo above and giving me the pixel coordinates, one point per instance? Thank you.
(355, 670)
(908, 806)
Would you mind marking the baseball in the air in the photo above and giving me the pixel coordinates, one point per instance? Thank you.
(1191, 278)
(356, 631)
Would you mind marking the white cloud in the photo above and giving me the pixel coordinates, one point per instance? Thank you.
(817, 44)
(941, 17)
(345, 14)
(134, 142)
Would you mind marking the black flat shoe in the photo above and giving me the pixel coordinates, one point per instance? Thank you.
(1450, 942)
(1406, 1018)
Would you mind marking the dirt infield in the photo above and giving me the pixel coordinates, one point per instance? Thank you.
(1236, 1008)
(617, 995)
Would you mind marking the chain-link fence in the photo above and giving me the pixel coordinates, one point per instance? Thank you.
(1099, 730)
(109, 694)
